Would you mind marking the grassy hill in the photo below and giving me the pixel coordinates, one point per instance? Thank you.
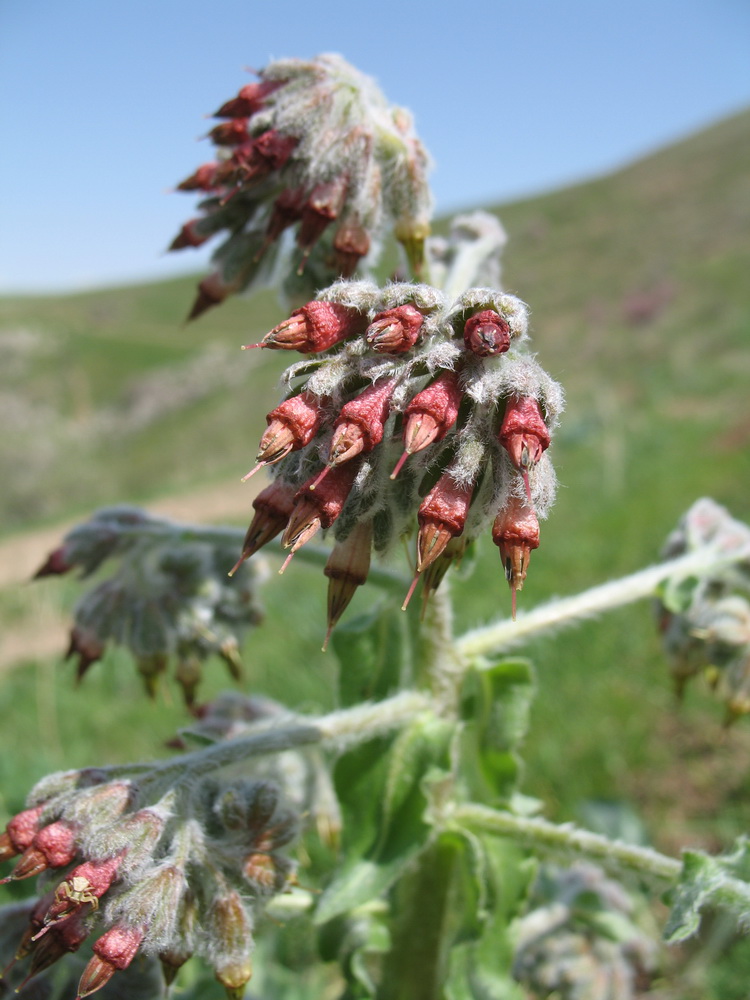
(638, 285)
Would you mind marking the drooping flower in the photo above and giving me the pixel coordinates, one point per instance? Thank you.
(419, 413)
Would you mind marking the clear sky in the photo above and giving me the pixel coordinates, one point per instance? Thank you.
(102, 101)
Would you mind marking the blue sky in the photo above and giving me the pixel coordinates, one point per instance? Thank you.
(101, 103)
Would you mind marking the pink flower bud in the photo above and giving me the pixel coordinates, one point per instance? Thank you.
(430, 415)
(486, 333)
(315, 327)
(113, 952)
(20, 832)
(395, 331)
(318, 509)
(321, 208)
(350, 244)
(360, 424)
(442, 516)
(189, 236)
(524, 435)
(52, 847)
(249, 100)
(203, 179)
(231, 133)
(516, 533)
(291, 426)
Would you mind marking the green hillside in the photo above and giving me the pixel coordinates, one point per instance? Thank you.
(640, 298)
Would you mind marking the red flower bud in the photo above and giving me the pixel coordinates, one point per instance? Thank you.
(442, 516)
(350, 244)
(287, 209)
(430, 415)
(321, 208)
(56, 564)
(395, 331)
(291, 426)
(359, 426)
(486, 333)
(204, 179)
(20, 832)
(211, 292)
(189, 236)
(113, 951)
(524, 435)
(83, 887)
(87, 647)
(315, 327)
(250, 99)
(273, 507)
(318, 509)
(231, 133)
(516, 533)
(53, 847)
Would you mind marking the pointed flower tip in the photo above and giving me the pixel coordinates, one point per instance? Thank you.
(252, 472)
(321, 477)
(399, 465)
(286, 562)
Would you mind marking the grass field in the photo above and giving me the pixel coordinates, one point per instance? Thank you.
(640, 307)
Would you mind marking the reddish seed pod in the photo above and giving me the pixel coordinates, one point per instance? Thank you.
(486, 333)
(273, 508)
(347, 569)
(315, 327)
(395, 331)
(211, 292)
(55, 565)
(274, 148)
(442, 516)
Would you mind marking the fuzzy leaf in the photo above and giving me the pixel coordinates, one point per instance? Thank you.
(371, 650)
(495, 705)
(709, 881)
(384, 805)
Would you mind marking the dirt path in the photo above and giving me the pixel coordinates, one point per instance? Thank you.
(42, 630)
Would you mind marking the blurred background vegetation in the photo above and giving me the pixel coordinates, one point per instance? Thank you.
(638, 286)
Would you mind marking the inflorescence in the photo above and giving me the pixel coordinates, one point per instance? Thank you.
(414, 411)
(313, 147)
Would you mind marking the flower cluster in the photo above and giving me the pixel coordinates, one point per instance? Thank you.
(169, 598)
(705, 623)
(312, 145)
(147, 865)
(580, 940)
(413, 409)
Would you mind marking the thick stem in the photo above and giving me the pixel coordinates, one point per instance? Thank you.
(416, 966)
(439, 668)
(570, 610)
(569, 841)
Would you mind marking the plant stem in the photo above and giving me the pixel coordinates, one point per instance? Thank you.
(568, 841)
(415, 967)
(350, 726)
(570, 610)
(314, 555)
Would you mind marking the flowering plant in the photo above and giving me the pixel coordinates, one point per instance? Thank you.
(417, 414)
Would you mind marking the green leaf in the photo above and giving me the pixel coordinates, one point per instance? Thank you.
(495, 707)
(372, 650)
(709, 882)
(384, 806)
